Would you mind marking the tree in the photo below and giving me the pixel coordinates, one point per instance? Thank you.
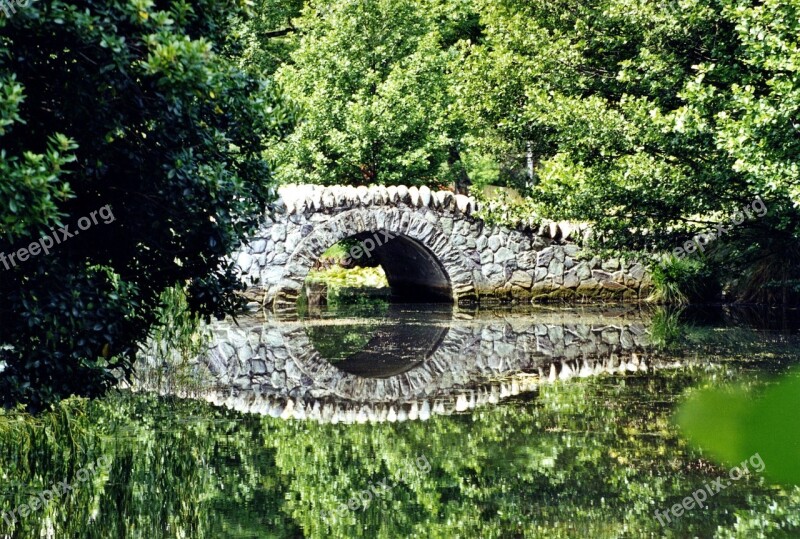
(131, 107)
(372, 81)
(654, 121)
(269, 35)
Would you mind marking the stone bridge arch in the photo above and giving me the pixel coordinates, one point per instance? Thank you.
(440, 250)
(416, 254)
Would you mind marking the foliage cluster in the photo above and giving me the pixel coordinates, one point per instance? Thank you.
(140, 106)
(178, 336)
(652, 121)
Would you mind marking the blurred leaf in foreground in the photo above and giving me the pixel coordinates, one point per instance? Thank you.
(732, 424)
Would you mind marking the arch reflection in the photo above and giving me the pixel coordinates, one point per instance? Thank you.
(411, 363)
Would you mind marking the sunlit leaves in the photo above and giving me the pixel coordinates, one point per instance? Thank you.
(662, 113)
(372, 81)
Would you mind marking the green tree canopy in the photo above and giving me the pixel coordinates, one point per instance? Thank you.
(642, 116)
(372, 81)
(139, 107)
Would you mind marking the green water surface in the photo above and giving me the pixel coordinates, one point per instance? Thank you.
(589, 457)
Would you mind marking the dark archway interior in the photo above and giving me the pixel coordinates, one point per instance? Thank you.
(415, 275)
(397, 342)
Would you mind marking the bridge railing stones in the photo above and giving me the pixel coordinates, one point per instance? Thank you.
(483, 261)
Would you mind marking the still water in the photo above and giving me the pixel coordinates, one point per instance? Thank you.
(407, 421)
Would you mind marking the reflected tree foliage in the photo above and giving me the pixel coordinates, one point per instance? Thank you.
(593, 457)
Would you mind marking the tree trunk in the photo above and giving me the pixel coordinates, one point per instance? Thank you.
(462, 181)
(529, 159)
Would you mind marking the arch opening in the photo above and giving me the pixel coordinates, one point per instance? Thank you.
(419, 262)
(414, 274)
(395, 268)
(394, 343)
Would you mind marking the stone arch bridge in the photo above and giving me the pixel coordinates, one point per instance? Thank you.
(431, 246)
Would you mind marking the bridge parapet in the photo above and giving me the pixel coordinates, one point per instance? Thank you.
(298, 199)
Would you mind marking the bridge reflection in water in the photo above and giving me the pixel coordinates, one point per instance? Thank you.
(411, 361)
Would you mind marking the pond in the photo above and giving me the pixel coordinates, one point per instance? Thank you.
(381, 420)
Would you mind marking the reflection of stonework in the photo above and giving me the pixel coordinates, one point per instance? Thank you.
(337, 411)
(274, 368)
(438, 241)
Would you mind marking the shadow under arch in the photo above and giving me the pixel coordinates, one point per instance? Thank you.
(357, 381)
(418, 258)
(397, 343)
(414, 273)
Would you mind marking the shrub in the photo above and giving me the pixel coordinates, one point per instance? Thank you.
(683, 280)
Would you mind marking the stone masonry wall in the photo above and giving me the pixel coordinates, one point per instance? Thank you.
(482, 261)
